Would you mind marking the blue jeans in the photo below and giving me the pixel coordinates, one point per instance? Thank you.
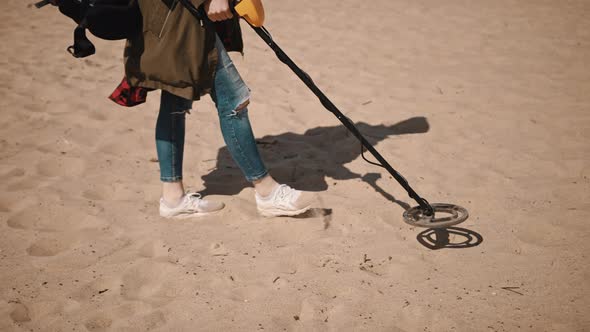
(229, 92)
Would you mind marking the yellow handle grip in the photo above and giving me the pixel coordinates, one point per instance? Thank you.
(252, 11)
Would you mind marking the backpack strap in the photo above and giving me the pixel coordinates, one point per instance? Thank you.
(82, 47)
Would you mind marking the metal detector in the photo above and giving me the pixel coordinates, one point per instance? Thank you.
(435, 215)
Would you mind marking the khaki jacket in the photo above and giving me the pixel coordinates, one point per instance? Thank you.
(176, 52)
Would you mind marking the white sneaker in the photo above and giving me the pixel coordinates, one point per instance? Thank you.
(192, 205)
(284, 201)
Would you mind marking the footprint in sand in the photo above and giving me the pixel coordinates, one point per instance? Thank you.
(545, 235)
(35, 108)
(97, 115)
(46, 247)
(112, 145)
(98, 193)
(218, 249)
(23, 220)
(7, 149)
(151, 321)
(145, 281)
(26, 183)
(15, 172)
(110, 192)
(45, 210)
(87, 138)
(19, 313)
(154, 249)
(51, 217)
(98, 323)
(62, 167)
(14, 203)
(4, 207)
(313, 310)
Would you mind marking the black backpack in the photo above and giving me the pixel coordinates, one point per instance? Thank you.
(106, 19)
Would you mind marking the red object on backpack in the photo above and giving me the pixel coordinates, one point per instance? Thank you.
(128, 96)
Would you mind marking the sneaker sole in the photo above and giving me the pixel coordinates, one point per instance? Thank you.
(282, 213)
(190, 215)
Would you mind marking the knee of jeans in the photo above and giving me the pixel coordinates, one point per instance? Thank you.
(174, 104)
(241, 108)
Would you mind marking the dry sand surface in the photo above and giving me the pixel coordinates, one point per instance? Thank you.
(480, 103)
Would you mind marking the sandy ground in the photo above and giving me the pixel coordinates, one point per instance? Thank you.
(480, 103)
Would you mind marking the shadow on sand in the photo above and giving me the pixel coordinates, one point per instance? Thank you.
(449, 238)
(304, 161)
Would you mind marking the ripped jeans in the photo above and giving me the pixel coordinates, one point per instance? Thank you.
(229, 92)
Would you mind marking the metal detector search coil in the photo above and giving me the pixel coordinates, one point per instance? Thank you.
(452, 215)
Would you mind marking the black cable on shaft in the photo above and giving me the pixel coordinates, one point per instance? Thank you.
(367, 160)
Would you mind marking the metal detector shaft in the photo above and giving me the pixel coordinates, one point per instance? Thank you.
(284, 58)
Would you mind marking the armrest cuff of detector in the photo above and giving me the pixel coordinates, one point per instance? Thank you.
(252, 11)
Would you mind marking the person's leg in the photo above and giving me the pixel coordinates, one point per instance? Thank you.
(231, 97)
(170, 129)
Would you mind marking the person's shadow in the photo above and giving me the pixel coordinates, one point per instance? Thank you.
(304, 161)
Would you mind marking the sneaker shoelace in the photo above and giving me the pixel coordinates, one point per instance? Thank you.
(285, 194)
(193, 200)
